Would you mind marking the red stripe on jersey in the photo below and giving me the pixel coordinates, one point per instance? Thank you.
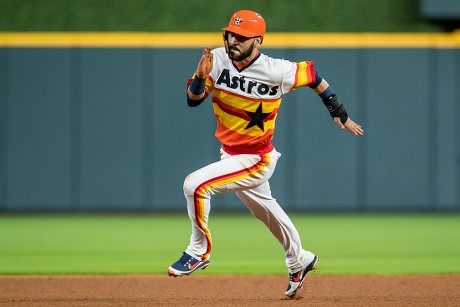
(311, 74)
(240, 113)
(231, 110)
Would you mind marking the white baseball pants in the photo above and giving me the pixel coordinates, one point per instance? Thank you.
(247, 176)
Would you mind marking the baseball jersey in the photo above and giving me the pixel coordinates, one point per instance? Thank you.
(246, 99)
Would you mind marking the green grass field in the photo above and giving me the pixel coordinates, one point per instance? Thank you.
(119, 244)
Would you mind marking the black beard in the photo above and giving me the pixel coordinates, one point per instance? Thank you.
(242, 55)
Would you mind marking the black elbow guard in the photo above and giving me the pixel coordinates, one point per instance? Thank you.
(336, 108)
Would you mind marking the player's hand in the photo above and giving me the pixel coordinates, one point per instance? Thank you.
(350, 125)
(205, 64)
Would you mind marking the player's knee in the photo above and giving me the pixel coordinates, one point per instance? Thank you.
(190, 185)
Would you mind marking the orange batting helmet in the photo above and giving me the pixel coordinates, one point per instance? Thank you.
(246, 23)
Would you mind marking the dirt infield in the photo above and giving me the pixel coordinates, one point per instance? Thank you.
(216, 290)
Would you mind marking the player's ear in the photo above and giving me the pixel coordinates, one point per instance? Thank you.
(258, 41)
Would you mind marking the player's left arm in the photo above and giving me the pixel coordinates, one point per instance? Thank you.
(335, 106)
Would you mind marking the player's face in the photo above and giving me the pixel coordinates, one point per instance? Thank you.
(239, 47)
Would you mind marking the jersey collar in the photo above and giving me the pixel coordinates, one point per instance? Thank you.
(241, 68)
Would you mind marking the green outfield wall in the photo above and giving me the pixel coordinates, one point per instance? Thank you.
(92, 122)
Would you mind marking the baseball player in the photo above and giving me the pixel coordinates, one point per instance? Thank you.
(247, 88)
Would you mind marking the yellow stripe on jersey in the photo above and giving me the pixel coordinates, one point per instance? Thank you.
(305, 74)
(242, 103)
(239, 125)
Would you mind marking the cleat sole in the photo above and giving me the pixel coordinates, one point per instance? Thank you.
(174, 273)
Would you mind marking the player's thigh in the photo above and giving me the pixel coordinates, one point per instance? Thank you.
(230, 174)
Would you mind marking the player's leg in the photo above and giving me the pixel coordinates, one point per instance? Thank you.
(229, 174)
(264, 207)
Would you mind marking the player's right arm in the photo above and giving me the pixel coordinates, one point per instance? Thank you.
(195, 90)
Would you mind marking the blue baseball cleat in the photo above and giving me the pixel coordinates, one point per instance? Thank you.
(186, 265)
(296, 279)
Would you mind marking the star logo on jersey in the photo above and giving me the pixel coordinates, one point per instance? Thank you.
(238, 20)
(257, 118)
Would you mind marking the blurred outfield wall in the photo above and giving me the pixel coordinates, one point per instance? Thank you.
(99, 122)
(210, 16)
